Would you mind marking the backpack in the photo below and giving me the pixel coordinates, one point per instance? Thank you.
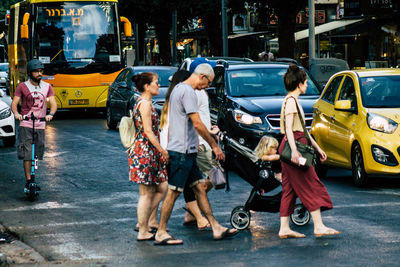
(127, 130)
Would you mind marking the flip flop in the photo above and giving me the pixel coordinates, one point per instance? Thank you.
(153, 237)
(226, 235)
(153, 230)
(208, 226)
(164, 242)
(191, 223)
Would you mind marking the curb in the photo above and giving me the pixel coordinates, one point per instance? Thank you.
(17, 252)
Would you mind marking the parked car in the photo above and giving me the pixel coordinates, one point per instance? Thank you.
(356, 122)
(122, 93)
(185, 65)
(246, 100)
(7, 123)
(4, 76)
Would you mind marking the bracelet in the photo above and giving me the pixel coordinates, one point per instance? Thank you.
(51, 114)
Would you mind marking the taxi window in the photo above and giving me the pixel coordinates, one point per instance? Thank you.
(330, 92)
(348, 92)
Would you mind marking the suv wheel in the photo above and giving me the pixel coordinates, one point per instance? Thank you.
(9, 141)
(111, 124)
(360, 177)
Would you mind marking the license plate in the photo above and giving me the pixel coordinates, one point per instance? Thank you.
(79, 102)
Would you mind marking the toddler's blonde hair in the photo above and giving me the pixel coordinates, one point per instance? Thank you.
(266, 144)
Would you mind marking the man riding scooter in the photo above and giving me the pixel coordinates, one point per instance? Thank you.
(33, 95)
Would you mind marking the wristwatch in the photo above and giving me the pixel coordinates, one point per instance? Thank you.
(51, 114)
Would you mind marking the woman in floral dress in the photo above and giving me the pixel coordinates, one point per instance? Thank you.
(147, 161)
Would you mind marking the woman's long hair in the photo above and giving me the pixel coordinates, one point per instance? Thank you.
(179, 76)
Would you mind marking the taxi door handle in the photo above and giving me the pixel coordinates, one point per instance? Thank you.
(332, 118)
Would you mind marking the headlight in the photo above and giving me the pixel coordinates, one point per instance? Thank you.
(245, 118)
(381, 124)
(3, 79)
(5, 113)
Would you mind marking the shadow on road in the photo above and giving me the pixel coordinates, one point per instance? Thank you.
(342, 176)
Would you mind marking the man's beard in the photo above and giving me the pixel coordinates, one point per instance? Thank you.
(36, 80)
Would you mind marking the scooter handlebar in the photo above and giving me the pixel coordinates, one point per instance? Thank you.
(32, 117)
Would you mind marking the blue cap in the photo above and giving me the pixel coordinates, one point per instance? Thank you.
(200, 60)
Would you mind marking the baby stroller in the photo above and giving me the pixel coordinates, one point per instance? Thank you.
(260, 175)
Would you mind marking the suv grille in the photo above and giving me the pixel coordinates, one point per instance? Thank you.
(274, 120)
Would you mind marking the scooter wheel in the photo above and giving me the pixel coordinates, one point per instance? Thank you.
(33, 191)
(240, 218)
(301, 216)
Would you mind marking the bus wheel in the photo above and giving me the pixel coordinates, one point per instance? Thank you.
(111, 124)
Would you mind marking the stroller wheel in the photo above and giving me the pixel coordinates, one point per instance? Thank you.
(240, 219)
(300, 216)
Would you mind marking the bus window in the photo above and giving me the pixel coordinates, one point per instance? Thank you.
(78, 33)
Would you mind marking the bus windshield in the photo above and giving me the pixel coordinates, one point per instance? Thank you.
(77, 37)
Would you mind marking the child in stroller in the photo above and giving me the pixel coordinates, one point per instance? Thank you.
(260, 175)
(266, 150)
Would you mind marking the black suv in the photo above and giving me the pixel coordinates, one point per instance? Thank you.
(246, 99)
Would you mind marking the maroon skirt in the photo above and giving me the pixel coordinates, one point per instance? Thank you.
(301, 183)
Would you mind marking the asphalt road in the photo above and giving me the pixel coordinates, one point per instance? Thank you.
(86, 212)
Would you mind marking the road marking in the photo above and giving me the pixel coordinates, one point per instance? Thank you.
(70, 248)
(367, 205)
(45, 206)
(391, 193)
(54, 154)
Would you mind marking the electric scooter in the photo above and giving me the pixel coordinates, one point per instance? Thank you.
(32, 192)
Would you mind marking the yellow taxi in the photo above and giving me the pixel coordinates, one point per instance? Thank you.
(356, 122)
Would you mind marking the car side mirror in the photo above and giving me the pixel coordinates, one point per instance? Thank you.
(344, 105)
(123, 85)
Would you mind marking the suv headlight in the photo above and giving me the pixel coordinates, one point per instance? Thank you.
(381, 124)
(245, 118)
(5, 113)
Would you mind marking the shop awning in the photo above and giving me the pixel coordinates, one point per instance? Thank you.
(244, 34)
(333, 25)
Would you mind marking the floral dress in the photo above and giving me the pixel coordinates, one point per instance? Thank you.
(145, 163)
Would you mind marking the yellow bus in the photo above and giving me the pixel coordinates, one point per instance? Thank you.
(78, 42)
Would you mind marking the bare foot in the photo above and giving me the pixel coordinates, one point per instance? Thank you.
(290, 234)
(326, 231)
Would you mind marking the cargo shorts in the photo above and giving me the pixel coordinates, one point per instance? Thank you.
(25, 143)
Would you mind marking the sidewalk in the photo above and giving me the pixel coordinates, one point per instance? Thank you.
(13, 251)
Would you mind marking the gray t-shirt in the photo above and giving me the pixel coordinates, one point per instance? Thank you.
(182, 136)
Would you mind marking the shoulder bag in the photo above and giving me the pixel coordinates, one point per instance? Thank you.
(306, 150)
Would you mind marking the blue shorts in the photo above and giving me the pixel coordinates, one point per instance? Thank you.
(183, 169)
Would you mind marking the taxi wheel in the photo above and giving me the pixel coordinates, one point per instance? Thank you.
(111, 124)
(360, 177)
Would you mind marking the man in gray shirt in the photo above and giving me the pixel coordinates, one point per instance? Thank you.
(184, 126)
